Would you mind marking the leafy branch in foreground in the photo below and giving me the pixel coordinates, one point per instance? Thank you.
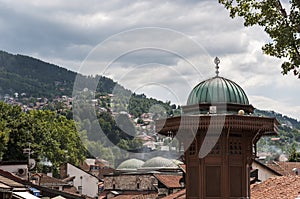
(282, 25)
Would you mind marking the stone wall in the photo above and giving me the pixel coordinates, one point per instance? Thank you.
(130, 182)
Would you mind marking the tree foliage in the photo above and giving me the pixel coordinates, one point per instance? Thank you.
(294, 156)
(52, 136)
(282, 25)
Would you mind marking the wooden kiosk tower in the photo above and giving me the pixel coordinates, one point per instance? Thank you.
(219, 135)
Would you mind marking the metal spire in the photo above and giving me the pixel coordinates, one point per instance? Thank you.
(217, 61)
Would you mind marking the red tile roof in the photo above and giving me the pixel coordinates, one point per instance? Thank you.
(178, 195)
(136, 195)
(50, 181)
(11, 183)
(284, 168)
(282, 187)
(170, 181)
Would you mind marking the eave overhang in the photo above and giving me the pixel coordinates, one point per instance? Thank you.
(170, 126)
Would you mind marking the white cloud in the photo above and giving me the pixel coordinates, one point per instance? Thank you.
(287, 108)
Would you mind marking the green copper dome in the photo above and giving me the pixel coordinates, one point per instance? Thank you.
(217, 90)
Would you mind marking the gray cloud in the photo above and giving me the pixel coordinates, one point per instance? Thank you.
(65, 33)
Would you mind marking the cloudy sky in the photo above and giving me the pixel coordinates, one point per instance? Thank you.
(159, 48)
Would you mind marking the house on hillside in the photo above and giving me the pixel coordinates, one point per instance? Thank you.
(86, 183)
(13, 187)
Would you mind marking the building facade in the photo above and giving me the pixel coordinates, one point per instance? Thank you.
(219, 133)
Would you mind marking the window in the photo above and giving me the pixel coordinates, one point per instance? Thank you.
(216, 149)
(113, 184)
(80, 189)
(235, 146)
(138, 182)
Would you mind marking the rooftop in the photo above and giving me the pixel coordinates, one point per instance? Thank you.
(159, 163)
(217, 90)
(178, 195)
(285, 168)
(170, 181)
(131, 164)
(282, 187)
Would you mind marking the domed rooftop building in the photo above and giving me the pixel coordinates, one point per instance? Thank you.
(219, 135)
(217, 95)
(130, 165)
(157, 163)
(217, 90)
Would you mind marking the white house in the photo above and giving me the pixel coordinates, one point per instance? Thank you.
(19, 168)
(85, 183)
(264, 172)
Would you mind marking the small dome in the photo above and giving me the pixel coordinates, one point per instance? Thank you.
(217, 90)
(131, 164)
(160, 162)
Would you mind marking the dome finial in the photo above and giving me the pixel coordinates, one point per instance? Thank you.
(217, 61)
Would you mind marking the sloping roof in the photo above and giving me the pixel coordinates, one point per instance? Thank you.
(11, 183)
(135, 195)
(183, 167)
(25, 195)
(267, 167)
(46, 191)
(284, 168)
(90, 161)
(59, 197)
(178, 195)
(66, 164)
(50, 181)
(4, 187)
(170, 181)
(281, 187)
(125, 197)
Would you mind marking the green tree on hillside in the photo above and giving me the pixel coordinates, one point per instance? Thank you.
(283, 27)
(52, 136)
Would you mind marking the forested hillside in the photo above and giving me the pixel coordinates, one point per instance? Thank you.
(39, 80)
(23, 74)
(286, 142)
